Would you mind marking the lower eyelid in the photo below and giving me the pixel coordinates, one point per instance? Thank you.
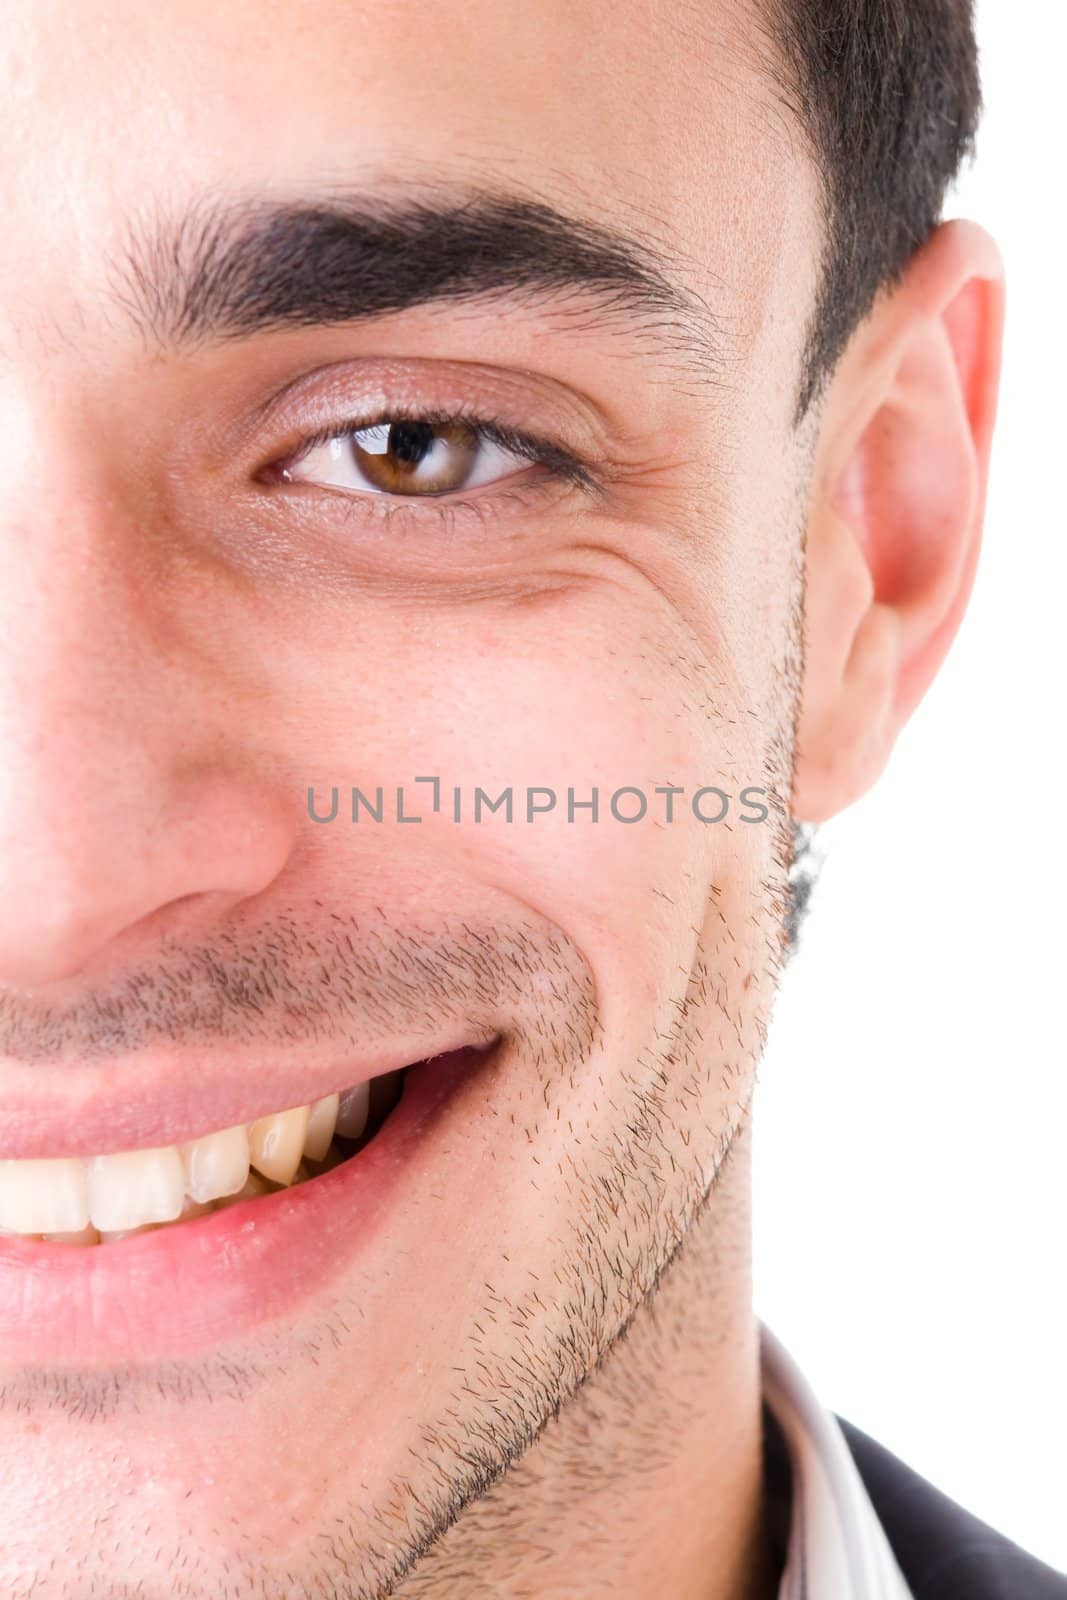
(418, 507)
(415, 515)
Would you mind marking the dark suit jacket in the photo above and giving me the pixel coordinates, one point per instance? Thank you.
(944, 1552)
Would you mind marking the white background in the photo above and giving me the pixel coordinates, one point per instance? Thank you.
(911, 1116)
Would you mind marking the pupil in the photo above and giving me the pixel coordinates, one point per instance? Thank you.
(410, 442)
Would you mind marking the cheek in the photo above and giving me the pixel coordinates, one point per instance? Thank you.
(598, 690)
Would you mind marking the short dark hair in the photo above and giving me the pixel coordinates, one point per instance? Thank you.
(888, 94)
(805, 864)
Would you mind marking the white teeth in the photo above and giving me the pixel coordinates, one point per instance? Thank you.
(322, 1121)
(100, 1199)
(134, 1187)
(353, 1110)
(276, 1143)
(216, 1165)
(49, 1196)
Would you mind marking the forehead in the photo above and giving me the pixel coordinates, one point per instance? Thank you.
(659, 116)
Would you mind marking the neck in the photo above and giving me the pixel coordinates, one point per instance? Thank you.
(649, 1482)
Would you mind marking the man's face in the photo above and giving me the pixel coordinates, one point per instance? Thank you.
(201, 622)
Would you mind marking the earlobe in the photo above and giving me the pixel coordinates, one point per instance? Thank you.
(896, 513)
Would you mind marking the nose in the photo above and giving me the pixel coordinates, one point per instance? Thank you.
(130, 804)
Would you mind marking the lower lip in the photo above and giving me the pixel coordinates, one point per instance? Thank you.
(196, 1285)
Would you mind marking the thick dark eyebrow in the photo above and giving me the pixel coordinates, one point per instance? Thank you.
(229, 269)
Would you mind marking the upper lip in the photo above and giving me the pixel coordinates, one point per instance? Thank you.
(166, 1097)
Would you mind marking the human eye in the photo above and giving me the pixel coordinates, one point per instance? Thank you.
(413, 454)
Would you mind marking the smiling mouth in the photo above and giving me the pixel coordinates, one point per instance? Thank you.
(101, 1200)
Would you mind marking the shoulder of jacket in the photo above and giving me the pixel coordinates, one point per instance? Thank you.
(944, 1552)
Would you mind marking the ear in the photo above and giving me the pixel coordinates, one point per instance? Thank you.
(898, 497)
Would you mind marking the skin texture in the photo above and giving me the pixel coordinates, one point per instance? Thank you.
(541, 1376)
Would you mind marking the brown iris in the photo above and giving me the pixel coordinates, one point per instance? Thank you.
(415, 457)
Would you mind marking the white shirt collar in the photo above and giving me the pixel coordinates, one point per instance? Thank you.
(836, 1545)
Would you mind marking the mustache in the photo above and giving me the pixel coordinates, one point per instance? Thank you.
(332, 978)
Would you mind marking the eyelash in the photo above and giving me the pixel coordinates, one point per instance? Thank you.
(560, 464)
